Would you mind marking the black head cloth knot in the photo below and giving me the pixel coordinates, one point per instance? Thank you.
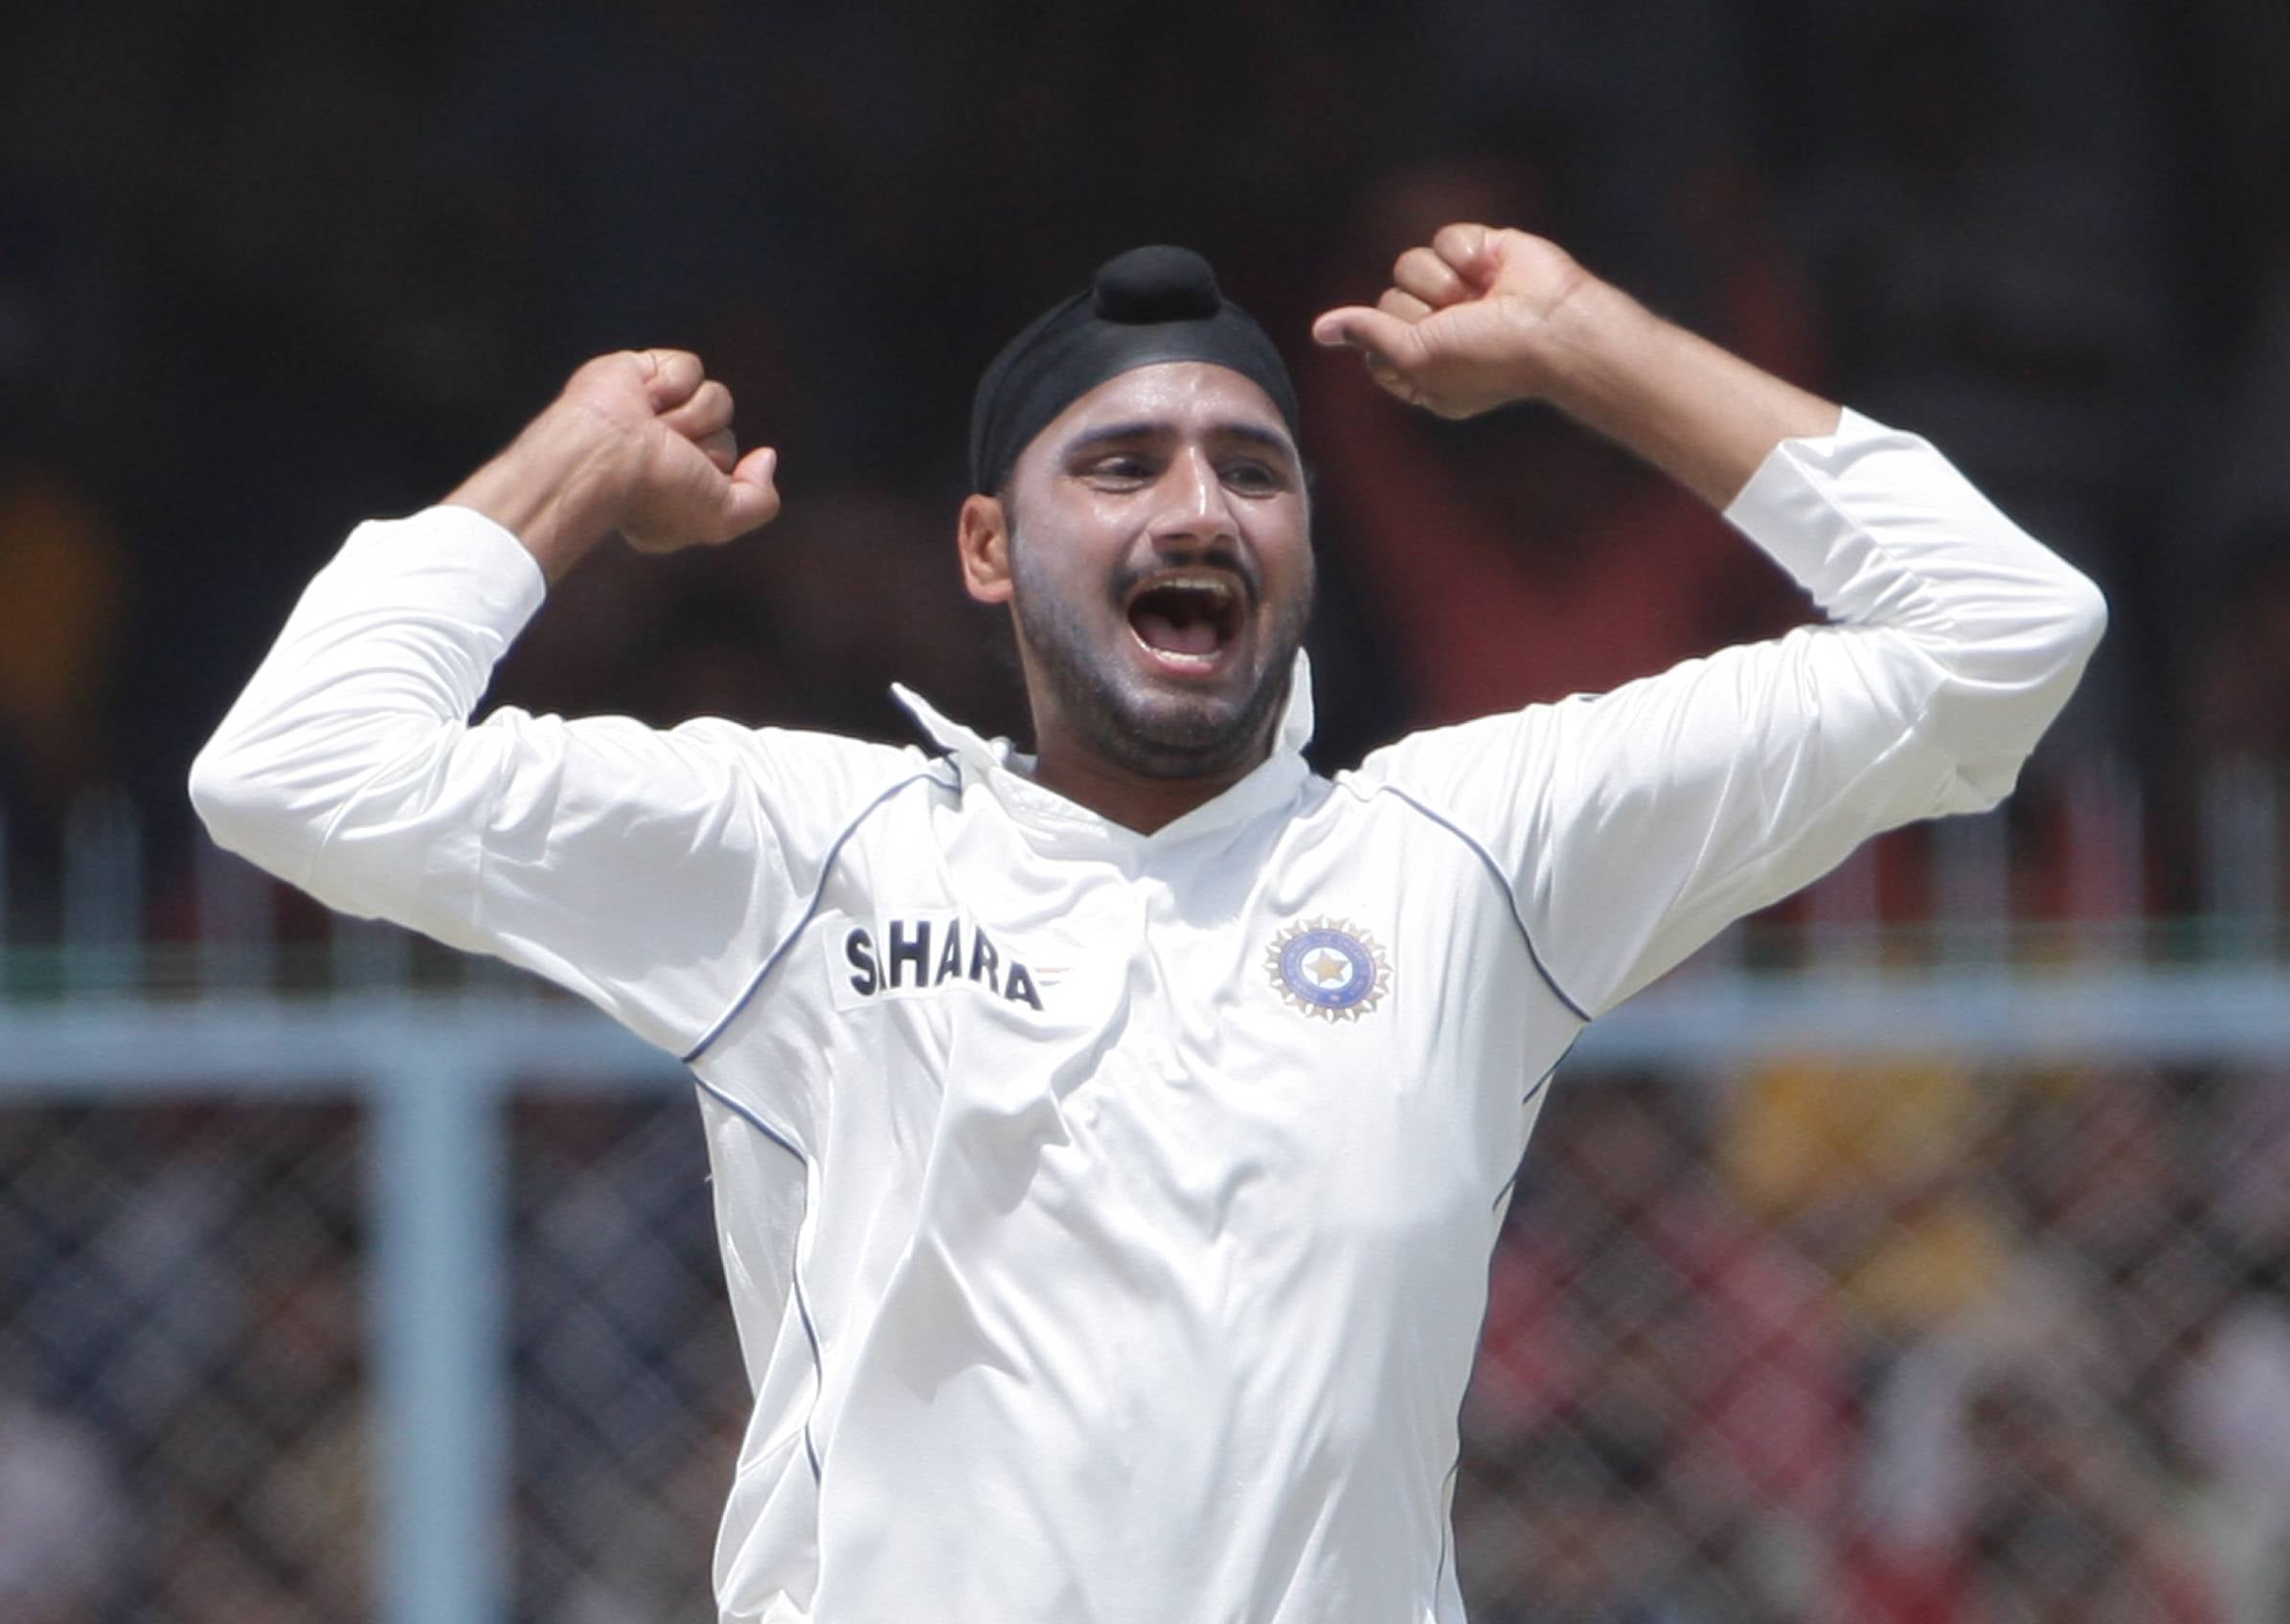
(1147, 306)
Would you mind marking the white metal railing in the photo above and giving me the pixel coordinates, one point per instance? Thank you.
(2097, 838)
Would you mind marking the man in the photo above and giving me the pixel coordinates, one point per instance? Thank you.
(1108, 1142)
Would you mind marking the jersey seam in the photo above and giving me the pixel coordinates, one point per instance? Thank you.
(1820, 487)
(1502, 884)
(827, 869)
(350, 803)
(795, 1273)
(1911, 735)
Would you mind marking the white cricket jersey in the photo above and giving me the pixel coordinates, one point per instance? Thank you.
(1106, 1216)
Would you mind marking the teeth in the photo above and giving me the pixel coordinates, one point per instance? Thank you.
(1217, 585)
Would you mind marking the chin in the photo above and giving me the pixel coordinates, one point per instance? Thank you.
(1191, 736)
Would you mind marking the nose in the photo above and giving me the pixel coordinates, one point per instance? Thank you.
(1197, 509)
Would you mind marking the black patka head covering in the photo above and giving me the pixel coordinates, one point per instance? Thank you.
(1147, 306)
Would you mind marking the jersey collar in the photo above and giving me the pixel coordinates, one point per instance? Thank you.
(1007, 773)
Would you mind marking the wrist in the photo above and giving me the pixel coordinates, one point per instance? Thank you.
(1590, 349)
(1701, 414)
(554, 489)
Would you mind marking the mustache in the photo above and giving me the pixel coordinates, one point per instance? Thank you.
(1231, 561)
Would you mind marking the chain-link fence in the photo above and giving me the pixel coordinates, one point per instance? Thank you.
(1802, 1340)
(187, 1425)
(183, 1432)
(628, 1389)
(1890, 1343)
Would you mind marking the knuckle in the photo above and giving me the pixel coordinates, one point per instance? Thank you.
(598, 368)
(676, 368)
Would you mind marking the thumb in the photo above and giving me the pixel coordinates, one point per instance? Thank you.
(750, 495)
(1380, 336)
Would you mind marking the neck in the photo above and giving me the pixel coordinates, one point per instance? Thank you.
(1128, 798)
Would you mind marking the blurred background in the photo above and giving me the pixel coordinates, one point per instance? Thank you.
(1926, 1263)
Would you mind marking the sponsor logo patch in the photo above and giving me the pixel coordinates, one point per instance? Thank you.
(916, 956)
(1330, 968)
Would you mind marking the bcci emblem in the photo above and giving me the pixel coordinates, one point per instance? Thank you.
(1330, 968)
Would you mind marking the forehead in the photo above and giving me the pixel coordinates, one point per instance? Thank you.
(1180, 395)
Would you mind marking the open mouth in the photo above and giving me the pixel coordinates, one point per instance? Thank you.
(1188, 620)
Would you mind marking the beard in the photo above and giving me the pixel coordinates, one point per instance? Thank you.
(1154, 731)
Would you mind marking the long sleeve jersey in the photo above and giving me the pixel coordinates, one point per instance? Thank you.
(1105, 1214)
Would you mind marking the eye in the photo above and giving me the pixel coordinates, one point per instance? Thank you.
(1254, 477)
(1120, 470)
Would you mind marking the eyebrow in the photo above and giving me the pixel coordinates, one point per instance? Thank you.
(1146, 428)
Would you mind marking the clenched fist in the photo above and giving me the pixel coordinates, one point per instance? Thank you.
(638, 442)
(1481, 317)
(1466, 323)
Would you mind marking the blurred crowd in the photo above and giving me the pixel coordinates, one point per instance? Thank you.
(266, 269)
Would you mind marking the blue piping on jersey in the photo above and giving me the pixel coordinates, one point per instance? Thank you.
(1438, 1575)
(1446, 1522)
(1544, 1081)
(1540, 1083)
(795, 1277)
(818, 894)
(1503, 884)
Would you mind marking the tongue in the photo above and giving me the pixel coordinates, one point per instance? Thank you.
(1177, 637)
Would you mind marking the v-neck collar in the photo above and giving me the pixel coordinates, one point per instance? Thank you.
(1007, 774)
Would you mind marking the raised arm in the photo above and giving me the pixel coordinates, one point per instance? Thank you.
(646, 869)
(640, 442)
(1633, 826)
(1481, 318)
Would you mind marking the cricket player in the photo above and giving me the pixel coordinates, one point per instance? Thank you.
(1109, 1140)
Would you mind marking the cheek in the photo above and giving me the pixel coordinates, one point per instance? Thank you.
(1290, 571)
(1075, 560)
(1049, 583)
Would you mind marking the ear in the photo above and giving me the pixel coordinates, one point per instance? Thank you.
(982, 537)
